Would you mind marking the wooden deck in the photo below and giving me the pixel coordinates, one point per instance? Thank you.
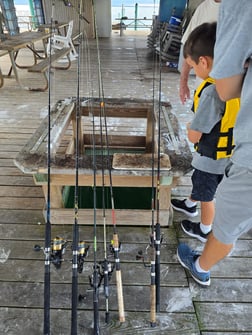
(224, 308)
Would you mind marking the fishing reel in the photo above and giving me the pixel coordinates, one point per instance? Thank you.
(95, 279)
(140, 256)
(102, 271)
(58, 248)
(106, 268)
(115, 244)
(149, 250)
(82, 254)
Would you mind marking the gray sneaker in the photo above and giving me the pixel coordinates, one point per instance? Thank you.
(179, 205)
(193, 229)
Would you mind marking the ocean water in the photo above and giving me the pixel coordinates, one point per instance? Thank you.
(143, 11)
(146, 9)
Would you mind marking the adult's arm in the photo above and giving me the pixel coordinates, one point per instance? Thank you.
(229, 88)
(184, 91)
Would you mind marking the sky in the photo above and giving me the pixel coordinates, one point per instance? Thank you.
(21, 2)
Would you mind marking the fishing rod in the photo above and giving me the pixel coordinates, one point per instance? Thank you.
(153, 232)
(154, 246)
(158, 239)
(107, 268)
(96, 278)
(47, 248)
(115, 244)
(76, 247)
(152, 236)
(75, 243)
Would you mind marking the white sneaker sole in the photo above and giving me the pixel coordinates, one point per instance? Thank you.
(191, 215)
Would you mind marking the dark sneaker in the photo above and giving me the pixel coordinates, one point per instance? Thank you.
(187, 258)
(179, 205)
(193, 229)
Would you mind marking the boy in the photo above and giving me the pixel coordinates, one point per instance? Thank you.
(211, 131)
(207, 11)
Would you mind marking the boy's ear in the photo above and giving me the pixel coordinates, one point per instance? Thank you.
(203, 61)
(206, 61)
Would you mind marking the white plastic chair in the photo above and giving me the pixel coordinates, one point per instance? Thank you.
(59, 42)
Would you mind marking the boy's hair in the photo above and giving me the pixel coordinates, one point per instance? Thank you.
(201, 42)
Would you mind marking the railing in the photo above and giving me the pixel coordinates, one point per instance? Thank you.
(138, 16)
(27, 23)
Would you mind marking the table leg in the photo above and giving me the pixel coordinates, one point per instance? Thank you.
(14, 68)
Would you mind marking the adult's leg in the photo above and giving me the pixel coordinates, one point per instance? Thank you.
(233, 215)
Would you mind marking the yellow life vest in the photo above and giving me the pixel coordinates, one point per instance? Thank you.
(219, 143)
(199, 90)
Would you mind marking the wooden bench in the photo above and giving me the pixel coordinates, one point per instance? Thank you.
(44, 65)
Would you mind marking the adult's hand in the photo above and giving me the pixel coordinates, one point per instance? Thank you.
(184, 91)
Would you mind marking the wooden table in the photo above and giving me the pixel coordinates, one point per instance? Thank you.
(13, 44)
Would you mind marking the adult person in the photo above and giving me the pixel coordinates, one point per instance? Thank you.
(232, 71)
(207, 11)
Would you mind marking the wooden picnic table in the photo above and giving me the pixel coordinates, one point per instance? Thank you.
(13, 44)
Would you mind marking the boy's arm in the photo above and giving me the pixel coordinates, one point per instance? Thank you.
(193, 135)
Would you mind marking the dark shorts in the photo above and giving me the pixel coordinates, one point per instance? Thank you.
(204, 185)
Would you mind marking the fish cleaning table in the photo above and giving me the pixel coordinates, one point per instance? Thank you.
(131, 155)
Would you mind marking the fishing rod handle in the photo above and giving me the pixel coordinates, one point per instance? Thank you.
(120, 296)
(153, 305)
